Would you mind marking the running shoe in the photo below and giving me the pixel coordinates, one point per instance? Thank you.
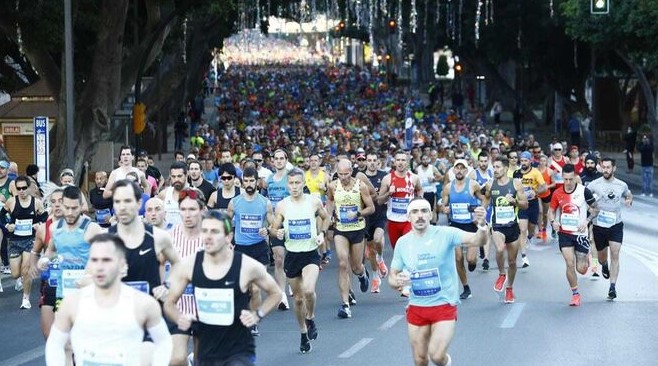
(344, 311)
(575, 300)
(364, 281)
(283, 305)
(19, 284)
(305, 344)
(324, 259)
(509, 296)
(190, 359)
(605, 271)
(26, 304)
(374, 288)
(500, 283)
(472, 266)
(290, 291)
(466, 294)
(612, 294)
(352, 298)
(311, 329)
(383, 270)
(254, 331)
(525, 261)
(553, 235)
(485, 264)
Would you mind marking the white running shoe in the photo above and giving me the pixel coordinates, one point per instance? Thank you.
(19, 284)
(26, 304)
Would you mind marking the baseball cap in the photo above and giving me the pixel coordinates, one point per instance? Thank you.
(556, 146)
(525, 155)
(574, 147)
(191, 157)
(462, 162)
(4, 164)
(66, 171)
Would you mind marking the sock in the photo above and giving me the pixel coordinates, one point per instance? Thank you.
(605, 263)
(374, 275)
(574, 290)
(612, 286)
(467, 287)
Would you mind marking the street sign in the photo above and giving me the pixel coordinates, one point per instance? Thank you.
(599, 6)
(41, 148)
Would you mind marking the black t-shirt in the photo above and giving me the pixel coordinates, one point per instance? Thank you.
(97, 200)
(646, 154)
(207, 189)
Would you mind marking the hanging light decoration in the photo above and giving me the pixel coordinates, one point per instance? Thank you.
(400, 29)
(413, 21)
(478, 14)
(437, 16)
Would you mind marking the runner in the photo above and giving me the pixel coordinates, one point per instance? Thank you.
(506, 196)
(533, 185)
(23, 213)
(155, 213)
(608, 227)
(126, 158)
(220, 198)
(375, 225)
(482, 175)
(317, 181)
(251, 213)
(106, 322)
(169, 195)
(195, 179)
(398, 188)
(221, 277)
(549, 179)
(428, 175)
(588, 175)
(424, 259)
(459, 198)
(349, 200)
(102, 206)
(299, 214)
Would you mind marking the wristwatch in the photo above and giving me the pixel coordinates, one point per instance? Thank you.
(260, 314)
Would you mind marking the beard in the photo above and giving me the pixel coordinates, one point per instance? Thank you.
(250, 190)
(179, 186)
(591, 170)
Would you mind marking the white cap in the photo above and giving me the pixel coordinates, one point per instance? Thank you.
(191, 156)
(556, 145)
(462, 162)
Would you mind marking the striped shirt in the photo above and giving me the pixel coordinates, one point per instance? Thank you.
(186, 247)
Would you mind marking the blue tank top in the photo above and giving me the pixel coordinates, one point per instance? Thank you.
(73, 253)
(277, 190)
(481, 179)
(459, 202)
(248, 218)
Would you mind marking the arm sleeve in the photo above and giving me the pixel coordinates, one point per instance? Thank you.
(162, 342)
(3, 216)
(55, 354)
(589, 197)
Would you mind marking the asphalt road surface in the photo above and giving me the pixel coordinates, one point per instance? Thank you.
(539, 329)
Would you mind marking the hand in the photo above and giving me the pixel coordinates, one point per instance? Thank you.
(160, 293)
(280, 234)
(185, 322)
(402, 278)
(249, 318)
(509, 198)
(555, 225)
(33, 272)
(10, 227)
(480, 214)
(446, 210)
(43, 264)
(319, 240)
(629, 201)
(263, 232)
(582, 227)
(107, 219)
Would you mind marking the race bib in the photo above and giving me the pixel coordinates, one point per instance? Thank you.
(141, 286)
(299, 229)
(529, 192)
(399, 205)
(23, 227)
(189, 289)
(215, 306)
(504, 214)
(460, 211)
(558, 178)
(569, 221)
(606, 219)
(250, 223)
(103, 357)
(101, 215)
(53, 269)
(426, 282)
(347, 214)
(69, 280)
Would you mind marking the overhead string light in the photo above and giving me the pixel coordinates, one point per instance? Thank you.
(552, 10)
(461, 7)
(491, 11)
(478, 14)
(400, 29)
(425, 25)
(372, 8)
(413, 18)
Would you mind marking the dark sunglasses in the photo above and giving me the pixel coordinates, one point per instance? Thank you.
(226, 177)
(258, 160)
(23, 188)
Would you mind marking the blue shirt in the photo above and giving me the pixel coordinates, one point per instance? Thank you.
(431, 263)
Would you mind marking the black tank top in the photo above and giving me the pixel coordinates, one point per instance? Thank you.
(22, 217)
(222, 203)
(380, 210)
(218, 342)
(143, 264)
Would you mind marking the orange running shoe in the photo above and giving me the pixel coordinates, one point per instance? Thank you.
(383, 270)
(374, 285)
(500, 283)
(509, 296)
(575, 300)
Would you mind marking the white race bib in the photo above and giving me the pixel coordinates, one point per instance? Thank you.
(399, 205)
(348, 214)
(504, 214)
(460, 211)
(426, 282)
(70, 278)
(215, 306)
(102, 357)
(250, 223)
(23, 227)
(606, 219)
(299, 229)
(569, 221)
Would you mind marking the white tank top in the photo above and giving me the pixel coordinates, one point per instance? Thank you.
(107, 336)
(425, 175)
(172, 213)
(120, 174)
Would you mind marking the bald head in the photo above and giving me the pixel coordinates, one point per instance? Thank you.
(344, 165)
(155, 213)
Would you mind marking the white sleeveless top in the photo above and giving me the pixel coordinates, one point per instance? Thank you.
(172, 213)
(107, 336)
(120, 174)
(425, 175)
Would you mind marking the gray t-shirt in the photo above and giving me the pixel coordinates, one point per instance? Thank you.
(610, 196)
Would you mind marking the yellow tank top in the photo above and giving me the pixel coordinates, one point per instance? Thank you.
(313, 184)
(348, 203)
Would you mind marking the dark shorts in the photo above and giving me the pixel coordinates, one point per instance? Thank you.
(373, 225)
(295, 262)
(531, 213)
(579, 242)
(259, 251)
(18, 246)
(427, 315)
(47, 294)
(274, 242)
(353, 237)
(604, 235)
(431, 198)
(470, 228)
(511, 233)
(235, 360)
(547, 199)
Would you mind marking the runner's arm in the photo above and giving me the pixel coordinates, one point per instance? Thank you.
(521, 198)
(478, 238)
(109, 187)
(179, 278)
(157, 329)
(59, 332)
(369, 208)
(229, 209)
(258, 275)
(384, 190)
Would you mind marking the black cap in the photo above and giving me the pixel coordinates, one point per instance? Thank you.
(31, 169)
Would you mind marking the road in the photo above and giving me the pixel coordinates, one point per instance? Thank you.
(539, 329)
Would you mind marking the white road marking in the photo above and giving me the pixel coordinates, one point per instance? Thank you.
(647, 257)
(512, 316)
(355, 348)
(391, 322)
(25, 357)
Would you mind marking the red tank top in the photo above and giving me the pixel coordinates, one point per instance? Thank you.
(405, 191)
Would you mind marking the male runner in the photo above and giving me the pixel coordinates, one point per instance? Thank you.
(608, 227)
(126, 158)
(572, 201)
(155, 213)
(506, 196)
(299, 215)
(195, 179)
(425, 260)
(351, 201)
(220, 198)
(484, 174)
(533, 185)
(169, 195)
(106, 322)
(375, 224)
(102, 206)
(459, 198)
(589, 174)
(221, 279)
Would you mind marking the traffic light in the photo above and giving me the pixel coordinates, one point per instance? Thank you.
(392, 26)
(340, 27)
(139, 118)
(599, 6)
(458, 68)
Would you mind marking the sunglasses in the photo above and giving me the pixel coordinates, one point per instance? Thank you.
(191, 193)
(226, 177)
(557, 149)
(23, 188)
(258, 160)
(66, 174)
(361, 159)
